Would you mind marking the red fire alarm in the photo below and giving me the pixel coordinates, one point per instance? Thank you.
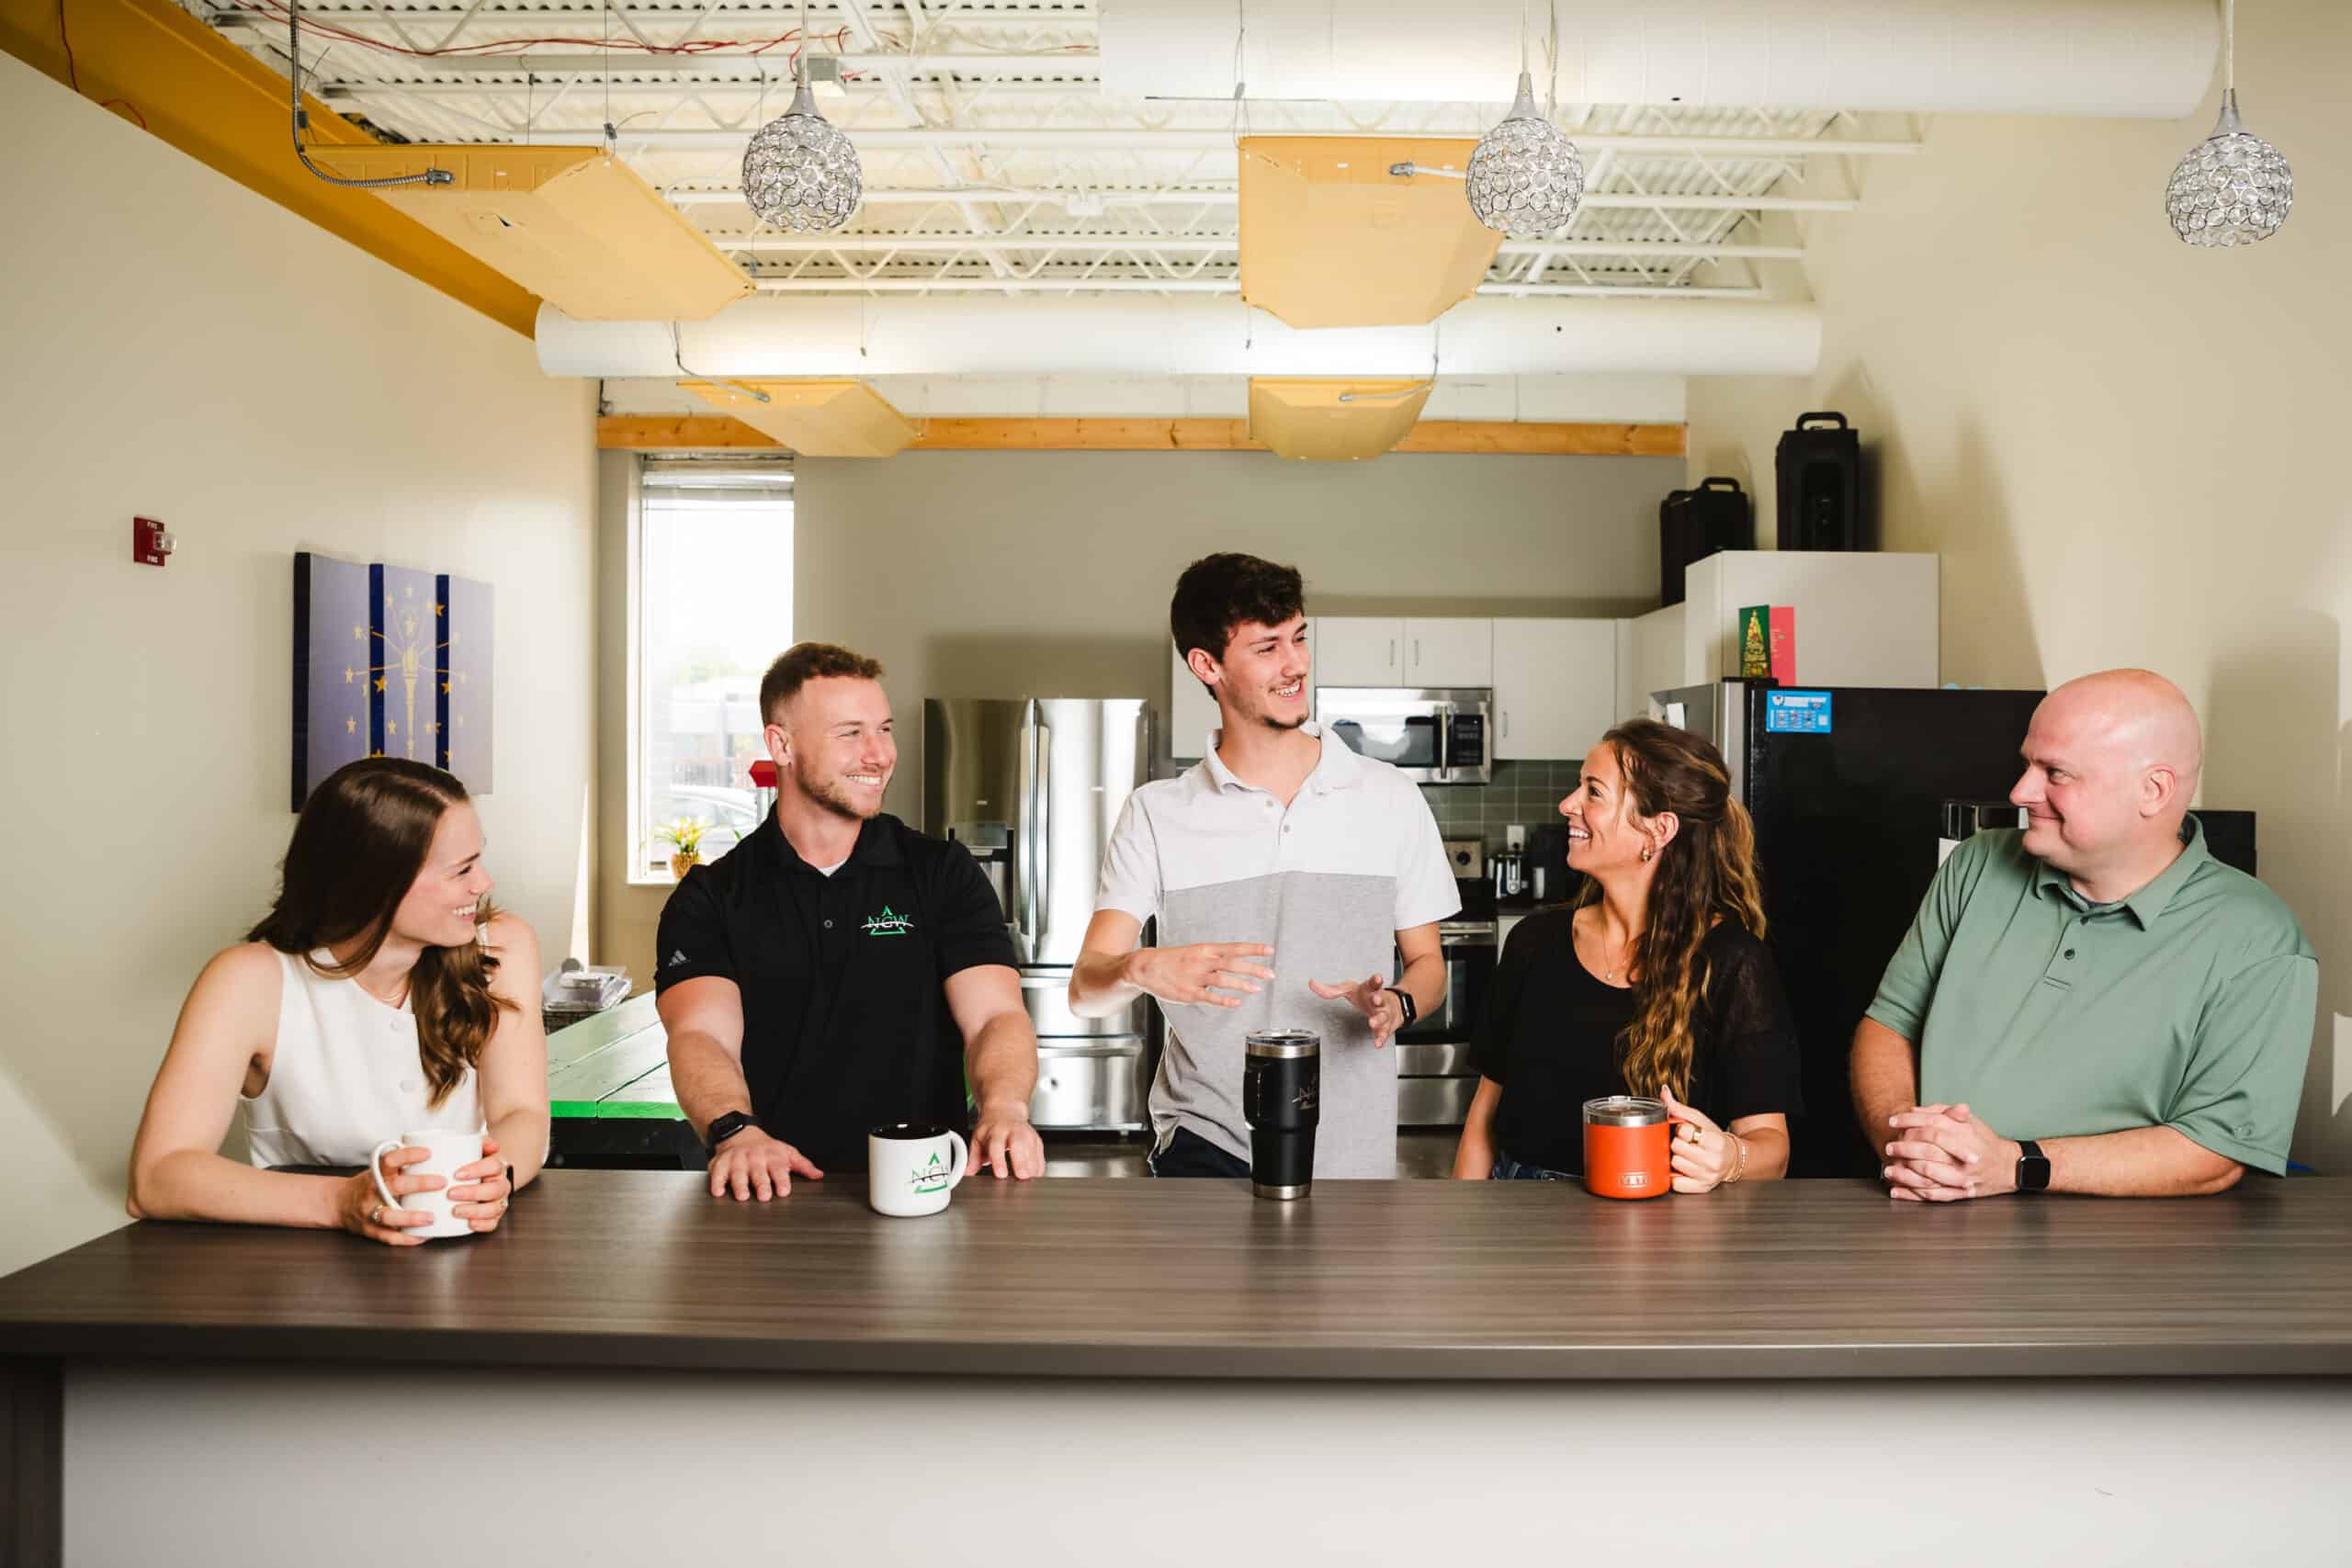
(151, 542)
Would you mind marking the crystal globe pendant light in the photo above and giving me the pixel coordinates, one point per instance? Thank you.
(800, 172)
(1526, 177)
(2234, 188)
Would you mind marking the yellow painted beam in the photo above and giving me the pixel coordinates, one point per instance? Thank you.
(158, 66)
(818, 418)
(718, 432)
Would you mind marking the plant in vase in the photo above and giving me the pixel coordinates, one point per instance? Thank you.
(685, 837)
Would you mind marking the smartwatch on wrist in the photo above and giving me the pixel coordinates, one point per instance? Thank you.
(2033, 1167)
(1405, 999)
(725, 1127)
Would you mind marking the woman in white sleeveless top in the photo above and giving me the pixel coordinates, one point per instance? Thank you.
(381, 996)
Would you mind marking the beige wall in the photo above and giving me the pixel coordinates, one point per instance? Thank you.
(1047, 573)
(2125, 449)
(180, 347)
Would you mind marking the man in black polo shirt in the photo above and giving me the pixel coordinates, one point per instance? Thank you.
(838, 971)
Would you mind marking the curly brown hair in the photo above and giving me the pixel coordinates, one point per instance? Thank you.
(362, 838)
(1706, 874)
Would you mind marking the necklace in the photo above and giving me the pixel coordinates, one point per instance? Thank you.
(1608, 972)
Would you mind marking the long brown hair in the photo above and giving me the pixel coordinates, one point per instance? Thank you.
(363, 837)
(1706, 873)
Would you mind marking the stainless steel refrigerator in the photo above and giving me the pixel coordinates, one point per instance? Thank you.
(1031, 786)
(1847, 786)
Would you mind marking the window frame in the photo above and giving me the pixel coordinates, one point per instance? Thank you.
(735, 479)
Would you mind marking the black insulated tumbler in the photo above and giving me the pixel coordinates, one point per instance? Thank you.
(1281, 1079)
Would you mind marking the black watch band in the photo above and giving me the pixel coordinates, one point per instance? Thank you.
(725, 1127)
(2033, 1167)
(1405, 999)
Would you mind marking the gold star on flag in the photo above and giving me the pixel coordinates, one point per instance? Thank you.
(461, 721)
(412, 589)
(357, 633)
(435, 728)
(351, 727)
(440, 609)
(391, 729)
(444, 688)
(379, 683)
(346, 674)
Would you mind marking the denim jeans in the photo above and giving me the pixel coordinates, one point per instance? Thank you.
(1189, 1154)
(1508, 1169)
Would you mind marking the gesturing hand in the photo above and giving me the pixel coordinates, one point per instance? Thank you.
(1940, 1154)
(1208, 972)
(751, 1163)
(1370, 997)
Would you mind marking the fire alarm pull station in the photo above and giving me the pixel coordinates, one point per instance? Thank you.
(151, 542)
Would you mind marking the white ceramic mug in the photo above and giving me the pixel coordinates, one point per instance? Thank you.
(912, 1168)
(450, 1152)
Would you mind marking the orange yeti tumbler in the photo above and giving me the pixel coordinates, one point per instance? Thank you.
(1625, 1147)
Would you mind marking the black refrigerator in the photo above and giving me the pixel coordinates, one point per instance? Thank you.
(1847, 786)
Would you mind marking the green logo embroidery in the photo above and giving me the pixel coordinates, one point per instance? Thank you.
(932, 1178)
(889, 923)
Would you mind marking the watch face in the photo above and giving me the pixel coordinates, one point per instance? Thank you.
(2033, 1173)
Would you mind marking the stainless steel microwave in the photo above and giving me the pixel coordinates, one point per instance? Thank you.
(1431, 736)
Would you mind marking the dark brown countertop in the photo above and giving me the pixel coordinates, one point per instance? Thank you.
(1104, 1277)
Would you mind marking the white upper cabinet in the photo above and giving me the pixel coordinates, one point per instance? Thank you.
(1556, 687)
(1449, 653)
(1354, 651)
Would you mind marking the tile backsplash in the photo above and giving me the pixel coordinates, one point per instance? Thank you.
(1528, 793)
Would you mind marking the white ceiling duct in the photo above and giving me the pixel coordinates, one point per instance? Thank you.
(817, 335)
(2152, 58)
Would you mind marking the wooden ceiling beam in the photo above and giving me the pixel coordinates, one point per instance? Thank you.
(722, 433)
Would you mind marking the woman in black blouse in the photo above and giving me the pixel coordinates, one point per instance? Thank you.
(1657, 983)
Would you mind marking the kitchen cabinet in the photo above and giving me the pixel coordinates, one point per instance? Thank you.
(1555, 686)
(1450, 652)
(1386, 651)
(1355, 650)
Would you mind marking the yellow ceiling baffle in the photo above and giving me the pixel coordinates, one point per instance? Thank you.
(581, 230)
(815, 419)
(1329, 237)
(1328, 420)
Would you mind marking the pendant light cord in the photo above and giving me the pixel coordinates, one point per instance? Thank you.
(302, 120)
(2230, 45)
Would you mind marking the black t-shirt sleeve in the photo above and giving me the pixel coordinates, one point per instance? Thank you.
(694, 942)
(1756, 1069)
(967, 923)
(1490, 1031)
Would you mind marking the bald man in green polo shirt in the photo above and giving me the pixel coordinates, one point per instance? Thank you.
(2094, 1003)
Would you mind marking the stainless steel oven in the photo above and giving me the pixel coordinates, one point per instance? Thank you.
(1435, 1077)
(1430, 735)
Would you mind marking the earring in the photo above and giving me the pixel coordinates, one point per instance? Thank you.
(1647, 851)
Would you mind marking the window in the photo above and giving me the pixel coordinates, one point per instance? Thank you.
(713, 592)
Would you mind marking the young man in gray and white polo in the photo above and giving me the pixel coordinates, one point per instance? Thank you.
(1283, 869)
